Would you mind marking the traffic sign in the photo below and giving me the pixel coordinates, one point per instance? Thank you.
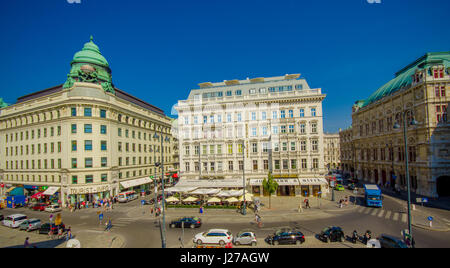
(430, 218)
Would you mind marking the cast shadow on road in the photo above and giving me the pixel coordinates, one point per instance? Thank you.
(44, 244)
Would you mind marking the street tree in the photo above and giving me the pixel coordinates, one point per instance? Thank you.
(270, 186)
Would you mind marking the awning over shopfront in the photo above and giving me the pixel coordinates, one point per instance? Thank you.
(313, 181)
(178, 189)
(205, 191)
(134, 183)
(51, 191)
(227, 183)
(10, 189)
(281, 182)
(38, 196)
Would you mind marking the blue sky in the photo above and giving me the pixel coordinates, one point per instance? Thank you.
(159, 50)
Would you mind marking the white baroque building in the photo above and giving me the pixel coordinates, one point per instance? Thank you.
(244, 128)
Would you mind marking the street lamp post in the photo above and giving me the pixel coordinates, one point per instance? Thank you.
(244, 211)
(162, 188)
(397, 126)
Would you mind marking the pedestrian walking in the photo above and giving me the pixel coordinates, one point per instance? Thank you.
(201, 209)
(108, 225)
(307, 203)
(69, 234)
(27, 243)
(300, 207)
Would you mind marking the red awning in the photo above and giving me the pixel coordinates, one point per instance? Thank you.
(38, 196)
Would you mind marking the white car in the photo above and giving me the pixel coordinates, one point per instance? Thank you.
(53, 208)
(214, 236)
(15, 220)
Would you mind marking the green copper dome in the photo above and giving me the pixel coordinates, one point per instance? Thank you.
(90, 54)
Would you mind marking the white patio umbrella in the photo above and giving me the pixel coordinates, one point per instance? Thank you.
(190, 199)
(172, 199)
(214, 200)
(248, 197)
(232, 200)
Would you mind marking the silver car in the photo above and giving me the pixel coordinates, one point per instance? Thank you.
(245, 238)
(30, 225)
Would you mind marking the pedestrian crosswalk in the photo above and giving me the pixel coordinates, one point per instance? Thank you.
(122, 222)
(386, 214)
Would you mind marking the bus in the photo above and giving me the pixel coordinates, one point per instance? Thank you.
(127, 196)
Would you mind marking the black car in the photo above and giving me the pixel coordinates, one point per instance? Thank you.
(332, 234)
(351, 186)
(387, 241)
(355, 180)
(189, 222)
(45, 228)
(286, 236)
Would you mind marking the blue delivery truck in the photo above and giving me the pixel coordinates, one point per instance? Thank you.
(372, 195)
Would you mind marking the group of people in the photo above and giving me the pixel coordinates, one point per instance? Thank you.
(105, 203)
(343, 202)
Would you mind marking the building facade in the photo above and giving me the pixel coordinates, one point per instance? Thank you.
(419, 91)
(332, 151)
(87, 139)
(241, 129)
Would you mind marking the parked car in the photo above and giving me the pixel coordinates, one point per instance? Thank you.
(332, 234)
(355, 181)
(45, 228)
(351, 186)
(387, 241)
(286, 236)
(53, 208)
(339, 187)
(245, 238)
(30, 225)
(189, 222)
(214, 236)
(15, 220)
(148, 202)
(39, 207)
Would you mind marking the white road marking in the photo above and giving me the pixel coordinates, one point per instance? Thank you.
(388, 215)
(396, 216)
(381, 213)
(374, 212)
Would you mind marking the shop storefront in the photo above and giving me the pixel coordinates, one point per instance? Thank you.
(286, 187)
(89, 193)
(137, 185)
(317, 187)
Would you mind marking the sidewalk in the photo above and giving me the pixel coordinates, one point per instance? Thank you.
(13, 238)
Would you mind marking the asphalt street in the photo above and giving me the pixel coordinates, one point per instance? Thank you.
(140, 229)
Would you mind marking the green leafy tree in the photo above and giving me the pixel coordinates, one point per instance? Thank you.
(270, 186)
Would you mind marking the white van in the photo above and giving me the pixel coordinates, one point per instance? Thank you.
(15, 220)
(127, 197)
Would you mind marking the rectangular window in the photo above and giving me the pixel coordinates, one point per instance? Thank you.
(74, 147)
(119, 132)
(291, 128)
(293, 164)
(87, 128)
(74, 179)
(283, 114)
(74, 128)
(104, 177)
(291, 114)
(88, 162)
(74, 111)
(103, 129)
(104, 162)
(88, 145)
(313, 112)
(74, 163)
(302, 112)
(89, 179)
(102, 113)
(88, 112)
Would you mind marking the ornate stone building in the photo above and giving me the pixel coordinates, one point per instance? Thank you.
(85, 139)
(421, 92)
(238, 128)
(332, 151)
